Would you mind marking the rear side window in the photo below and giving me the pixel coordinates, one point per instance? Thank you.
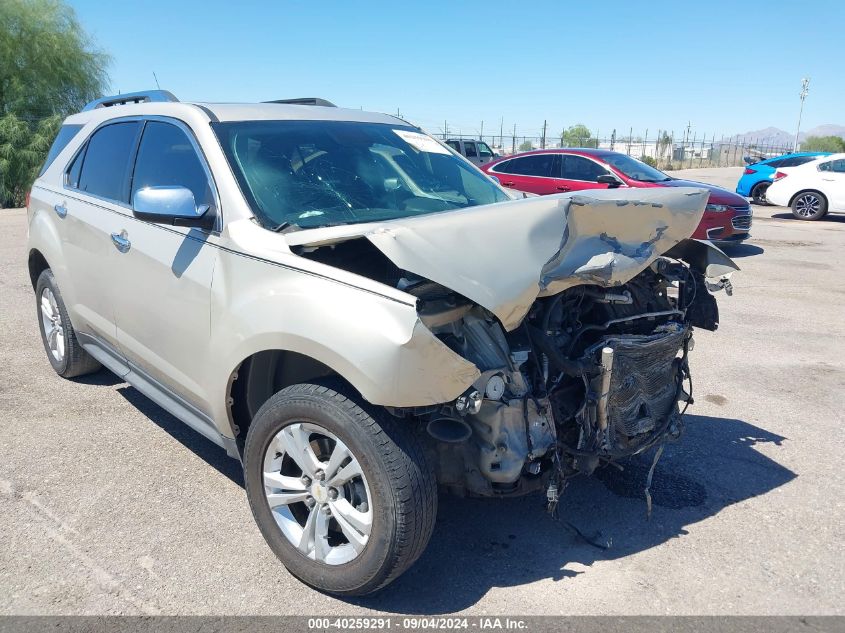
(503, 167)
(774, 164)
(65, 135)
(796, 160)
(535, 165)
(838, 166)
(105, 169)
(470, 150)
(166, 157)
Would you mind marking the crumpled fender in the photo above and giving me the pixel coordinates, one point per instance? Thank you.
(703, 257)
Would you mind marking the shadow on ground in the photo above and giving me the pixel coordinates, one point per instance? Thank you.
(479, 544)
(830, 217)
(741, 250)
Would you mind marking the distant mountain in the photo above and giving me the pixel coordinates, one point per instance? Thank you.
(777, 137)
(829, 129)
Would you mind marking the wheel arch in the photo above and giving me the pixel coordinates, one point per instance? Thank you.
(37, 263)
(261, 375)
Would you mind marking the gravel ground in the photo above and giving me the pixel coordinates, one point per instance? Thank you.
(108, 505)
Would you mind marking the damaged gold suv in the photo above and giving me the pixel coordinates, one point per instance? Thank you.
(358, 314)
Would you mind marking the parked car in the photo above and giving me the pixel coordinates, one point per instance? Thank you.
(475, 151)
(757, 177)
(727, 217)
(811, 190)
(358, 315)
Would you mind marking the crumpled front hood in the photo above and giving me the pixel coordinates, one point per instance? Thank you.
(503, 256)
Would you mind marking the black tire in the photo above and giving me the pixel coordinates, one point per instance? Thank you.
(75, 361)
(758, 193)
(809, 205)
(402, 484)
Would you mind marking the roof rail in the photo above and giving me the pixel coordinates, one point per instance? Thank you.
(145, 96)
(310, 101)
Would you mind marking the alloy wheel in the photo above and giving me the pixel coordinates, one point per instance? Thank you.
(318, 493)
(51, 321)
(808, 205)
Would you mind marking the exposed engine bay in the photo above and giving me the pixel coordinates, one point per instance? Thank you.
(592, 374)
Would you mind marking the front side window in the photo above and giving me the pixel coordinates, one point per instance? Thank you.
(306, 174)
(105, 167)
(635, 169)
(484, 151)
(166, 157)
(470, 150)
(580, 168)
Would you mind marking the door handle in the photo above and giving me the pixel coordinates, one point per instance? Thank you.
(563, 188)
(121, 242)
(508, 184)
(60, 209)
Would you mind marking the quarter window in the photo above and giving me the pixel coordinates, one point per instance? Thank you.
(166, 157)
(65, 135)
(455, 145)
(580, 168)
(105, 168)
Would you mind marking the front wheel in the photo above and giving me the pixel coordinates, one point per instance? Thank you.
(809, 205)
(758, 193)
(344, 497)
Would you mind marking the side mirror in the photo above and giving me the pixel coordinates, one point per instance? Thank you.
(174, 205)
(608, 179)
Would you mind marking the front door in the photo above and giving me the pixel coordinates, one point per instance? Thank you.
(163, 308)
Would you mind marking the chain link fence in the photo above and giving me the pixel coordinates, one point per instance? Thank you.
(664, 150)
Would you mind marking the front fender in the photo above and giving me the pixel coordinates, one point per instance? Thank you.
(376, 343)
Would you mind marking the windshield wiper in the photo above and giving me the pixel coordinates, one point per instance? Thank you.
(286, 227)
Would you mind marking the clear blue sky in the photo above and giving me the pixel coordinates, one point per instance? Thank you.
(726, 66)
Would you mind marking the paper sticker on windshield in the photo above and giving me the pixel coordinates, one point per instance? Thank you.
(421, 142)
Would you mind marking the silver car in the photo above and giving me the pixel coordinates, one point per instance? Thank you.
(358, 315)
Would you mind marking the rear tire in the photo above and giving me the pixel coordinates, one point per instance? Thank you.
(64, 351)
(758, 193)
(391, 501)
(809, 205)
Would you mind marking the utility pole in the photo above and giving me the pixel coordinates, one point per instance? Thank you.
(805, 88)
(513, 143)
(543, 142)
(501, 133)
(481, 136)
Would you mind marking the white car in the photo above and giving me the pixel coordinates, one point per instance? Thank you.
(812, 189)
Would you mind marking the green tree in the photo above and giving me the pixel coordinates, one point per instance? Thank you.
(526, 146)
(832, 144)
(48, 69)
(577, 136)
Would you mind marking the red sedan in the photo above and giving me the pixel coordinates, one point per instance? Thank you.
(726, 219)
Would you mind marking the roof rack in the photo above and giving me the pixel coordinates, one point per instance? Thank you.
(310, 101)
(145, 96)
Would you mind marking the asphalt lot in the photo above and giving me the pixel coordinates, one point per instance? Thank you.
(108, 505)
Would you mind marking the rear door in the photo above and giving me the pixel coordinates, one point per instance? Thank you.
(578, 173)
(163, 308)
(96, 195)
(534, 173)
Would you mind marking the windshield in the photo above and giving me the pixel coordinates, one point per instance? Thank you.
(635, 169)
(306, 174)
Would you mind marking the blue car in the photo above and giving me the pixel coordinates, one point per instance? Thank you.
(758, 176)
